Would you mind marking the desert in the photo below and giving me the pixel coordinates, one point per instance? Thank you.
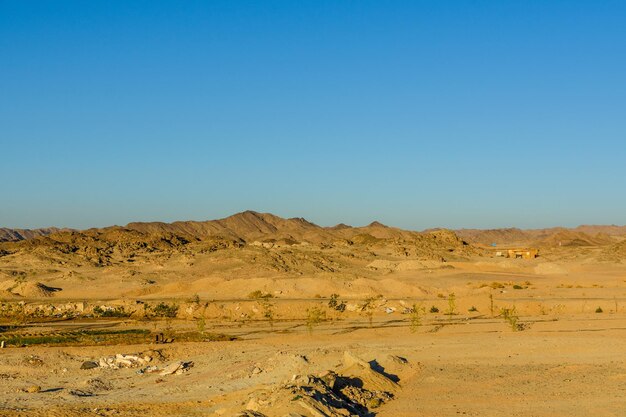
(258, 315)
(312, 208)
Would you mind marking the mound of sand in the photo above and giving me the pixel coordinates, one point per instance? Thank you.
(28, 289)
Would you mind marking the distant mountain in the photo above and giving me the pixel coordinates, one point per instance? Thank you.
(15, 235)
(248, 225)
(555, 236)
(125, 244)
(498, 236)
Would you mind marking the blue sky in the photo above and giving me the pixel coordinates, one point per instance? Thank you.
(417, 114)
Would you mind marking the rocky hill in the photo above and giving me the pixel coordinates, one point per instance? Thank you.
(15, 235)
(550, 237)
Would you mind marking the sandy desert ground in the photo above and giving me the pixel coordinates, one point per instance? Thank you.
(266, 316)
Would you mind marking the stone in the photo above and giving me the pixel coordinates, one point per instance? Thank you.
(89, 365)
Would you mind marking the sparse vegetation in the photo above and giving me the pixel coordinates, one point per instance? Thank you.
(118, 311)
(472, 309)
(315, 316)
(257, 294)
(367, 308)
(336, 304)
(451, 304)
(599, 310)
(268, 311)
(511, 317)
(201, 324)
(415, 317)
(434, 309)
(161, 310)
(82, 338)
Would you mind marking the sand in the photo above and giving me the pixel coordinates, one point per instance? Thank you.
(325, 321)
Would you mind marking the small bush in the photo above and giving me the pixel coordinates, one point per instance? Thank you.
(511, 317)
(315, 315)
(255, 295)
(165, 310)
(336, 304)
(434, 309)
(599, 310)
(268, 311)
(472, 309)
(517, 287)
(415, 317)
(451, 304)
(110, 312)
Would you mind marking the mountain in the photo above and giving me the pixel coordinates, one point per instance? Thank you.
(157, 242)
(15, 235)
(248, 225)
(549, 237)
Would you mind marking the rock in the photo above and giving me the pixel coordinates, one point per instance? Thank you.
(176, 368)
(32, 389)
(123, 361)
(89, 365)
(256, 370)
(398, 359)
(253, 405)
(350, 359)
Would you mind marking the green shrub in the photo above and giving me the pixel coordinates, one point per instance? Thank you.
(165, 310)
(511, 317)
(336, 304)
(111, 312)
(451, 305)
(415, 317)
(315, 315)
(255, 295)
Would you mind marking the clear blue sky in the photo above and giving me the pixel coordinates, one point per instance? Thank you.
(417, 114)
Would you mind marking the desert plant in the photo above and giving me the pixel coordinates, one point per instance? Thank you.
(511, 317)
(110, 312)
(268, 311)
(201, 324)
(434, 309)
(472, 309)
(336, 304)
(368, 309)
(415, 317)
(195, 299)
(451, 304)
(315, 315)
(255, 295)
(599, 310)
(491, 306)
(165, 310)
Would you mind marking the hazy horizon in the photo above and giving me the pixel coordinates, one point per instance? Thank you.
(415, 114)
(317, 223)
